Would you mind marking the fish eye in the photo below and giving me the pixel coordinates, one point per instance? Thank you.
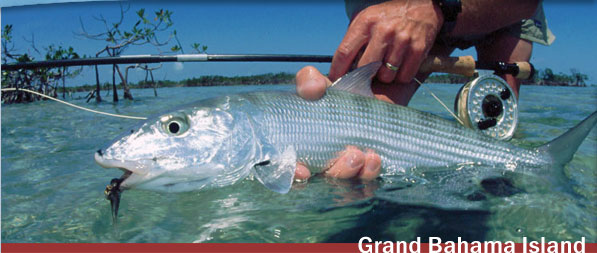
(173, 127)
(174, 124)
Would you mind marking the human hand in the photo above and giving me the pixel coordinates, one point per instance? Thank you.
(397, 32)
(350, 163)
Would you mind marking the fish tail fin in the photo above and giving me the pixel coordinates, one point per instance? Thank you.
(562, 148)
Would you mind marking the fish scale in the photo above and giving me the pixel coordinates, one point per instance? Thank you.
(403, 137)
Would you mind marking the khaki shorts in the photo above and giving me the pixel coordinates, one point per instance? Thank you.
(534, 29)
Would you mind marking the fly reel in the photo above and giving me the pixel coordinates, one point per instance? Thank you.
(488, 103)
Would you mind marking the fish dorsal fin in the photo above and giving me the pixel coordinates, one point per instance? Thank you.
(276, 172)
(358, 81)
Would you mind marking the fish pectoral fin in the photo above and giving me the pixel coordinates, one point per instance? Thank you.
(358, 81)
(277, 173)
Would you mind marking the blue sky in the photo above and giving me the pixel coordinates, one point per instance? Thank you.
(277, 27)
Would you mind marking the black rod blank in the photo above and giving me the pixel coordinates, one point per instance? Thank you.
(134, 59)
(498, 67)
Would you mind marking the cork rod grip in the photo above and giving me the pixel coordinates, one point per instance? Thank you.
(525, 70)
(462, 65)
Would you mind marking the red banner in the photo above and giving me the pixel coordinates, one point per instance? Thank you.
(260, 247)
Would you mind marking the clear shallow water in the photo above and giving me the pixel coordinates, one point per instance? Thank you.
(52, 190)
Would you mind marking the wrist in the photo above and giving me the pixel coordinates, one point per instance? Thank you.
(438, 12)
(450, 10)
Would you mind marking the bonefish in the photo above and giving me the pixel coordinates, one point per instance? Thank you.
(219, 141)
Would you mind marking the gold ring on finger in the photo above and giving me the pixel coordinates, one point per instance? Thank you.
(391, 67)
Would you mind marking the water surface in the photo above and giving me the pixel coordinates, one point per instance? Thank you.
(52, 190)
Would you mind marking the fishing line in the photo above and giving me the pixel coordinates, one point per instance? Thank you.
(438, 100)
(73, 105)
(144, 118)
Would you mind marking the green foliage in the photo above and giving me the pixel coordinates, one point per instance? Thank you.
(7, 45)
(146, 30)
(543, 77)
(141, 13)
(199, 48)
(44, 80)
(60, 53)
(270, 78)
(175, 48)
(7, 33)
(578, 77)
(548, 77)
(24, 58)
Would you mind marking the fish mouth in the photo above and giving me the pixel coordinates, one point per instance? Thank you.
(114, 190)
(135, 168)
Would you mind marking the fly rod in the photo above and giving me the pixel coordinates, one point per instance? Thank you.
(133, 59)
(462, 65)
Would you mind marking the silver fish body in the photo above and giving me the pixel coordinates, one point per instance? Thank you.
(219, 141)
(403, 137)
(226, 137)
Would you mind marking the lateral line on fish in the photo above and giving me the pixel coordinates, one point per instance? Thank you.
(438, 100)
(76, 106)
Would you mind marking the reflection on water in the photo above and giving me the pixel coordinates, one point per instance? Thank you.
(52, 190)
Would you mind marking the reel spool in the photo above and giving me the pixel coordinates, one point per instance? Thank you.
(488, 103)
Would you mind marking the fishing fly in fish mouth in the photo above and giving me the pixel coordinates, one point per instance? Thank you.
(219, 141)
(113, 192)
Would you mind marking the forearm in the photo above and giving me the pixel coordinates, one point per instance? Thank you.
(485, 16)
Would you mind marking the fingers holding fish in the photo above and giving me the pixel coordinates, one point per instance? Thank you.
(350, 163)
(310, 83)
(301, 173)
(353, 163)
(372, 167)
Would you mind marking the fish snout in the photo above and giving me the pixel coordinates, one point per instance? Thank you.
(99, 157)
(103, 161)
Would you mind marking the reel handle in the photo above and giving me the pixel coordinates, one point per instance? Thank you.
(466, 65)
